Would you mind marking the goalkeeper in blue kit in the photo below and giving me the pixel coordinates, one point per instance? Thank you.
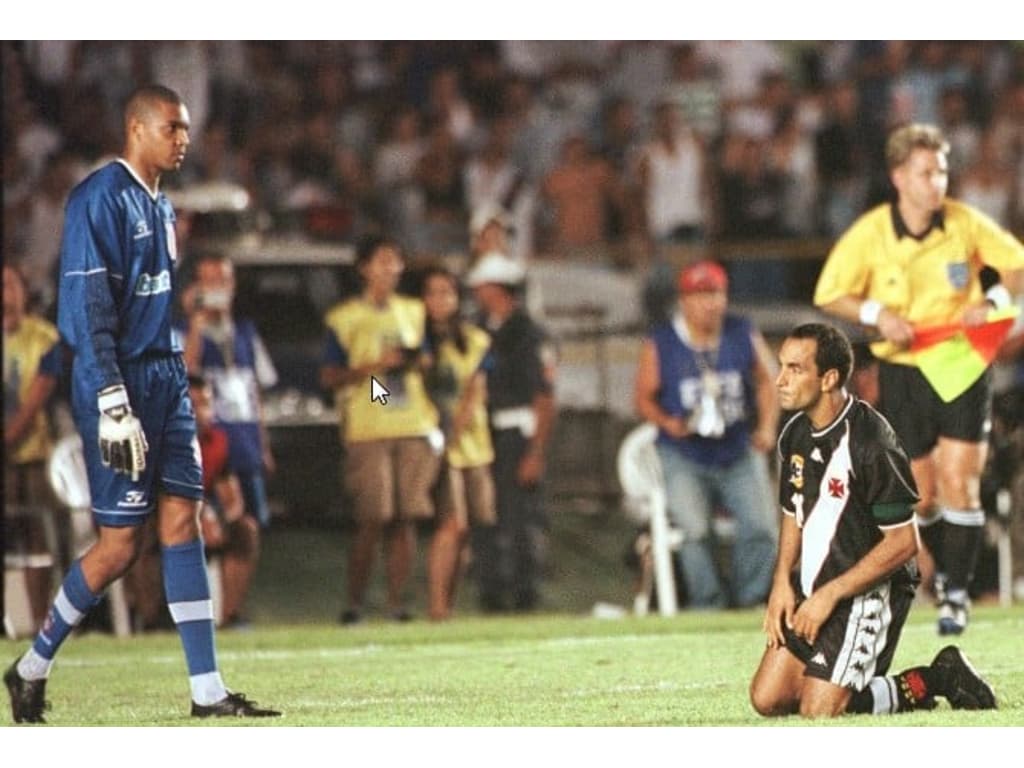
(131, 405)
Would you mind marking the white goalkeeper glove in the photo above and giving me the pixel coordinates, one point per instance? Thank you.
(123, 444)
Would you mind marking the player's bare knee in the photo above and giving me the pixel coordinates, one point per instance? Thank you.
(178, 521)
(769, 707)
(111, 556)
(767, 702)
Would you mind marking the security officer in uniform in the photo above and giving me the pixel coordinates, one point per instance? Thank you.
(521, 407)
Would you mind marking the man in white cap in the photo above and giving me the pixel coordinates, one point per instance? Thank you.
(491, 230)
(520, 385)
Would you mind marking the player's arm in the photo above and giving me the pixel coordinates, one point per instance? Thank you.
(92, 263)
(897, 546)
(646, 387)
(765, 393)
(782, 598)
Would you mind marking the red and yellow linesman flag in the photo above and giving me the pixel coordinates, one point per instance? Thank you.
(952, 357)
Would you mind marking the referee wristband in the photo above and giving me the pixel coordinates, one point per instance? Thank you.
(869, 312)
(998, 296)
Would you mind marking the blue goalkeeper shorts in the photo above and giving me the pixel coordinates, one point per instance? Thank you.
(158, 392)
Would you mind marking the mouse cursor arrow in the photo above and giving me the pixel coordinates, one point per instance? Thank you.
(378, 391)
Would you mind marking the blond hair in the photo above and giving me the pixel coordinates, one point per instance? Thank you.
(904, 140)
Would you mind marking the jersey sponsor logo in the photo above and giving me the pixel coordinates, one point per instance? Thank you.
(959, 274)
(150, 285)
(141, 230)
(796, 471)
(133, 499)
(836, 488)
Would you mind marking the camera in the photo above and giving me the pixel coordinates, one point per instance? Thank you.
(212, 299)
(410, 356)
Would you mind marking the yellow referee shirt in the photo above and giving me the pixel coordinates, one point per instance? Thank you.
(364, 331)
(930, 281)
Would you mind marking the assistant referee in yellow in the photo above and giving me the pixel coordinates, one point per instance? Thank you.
(910, 264)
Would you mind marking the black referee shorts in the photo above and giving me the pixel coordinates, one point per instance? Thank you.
(919, 415)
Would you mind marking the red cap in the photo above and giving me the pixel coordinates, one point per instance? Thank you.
(703, 276)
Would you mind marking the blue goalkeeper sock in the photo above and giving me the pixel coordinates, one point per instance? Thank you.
(188, 598)
(73, 601)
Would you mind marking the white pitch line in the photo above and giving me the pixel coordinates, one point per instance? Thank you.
(283, 655)
(660, 686)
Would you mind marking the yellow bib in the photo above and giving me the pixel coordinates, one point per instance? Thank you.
(365, 331)
(473, 448)
(23, 350)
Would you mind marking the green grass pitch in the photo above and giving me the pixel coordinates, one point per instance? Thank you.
(691, 670)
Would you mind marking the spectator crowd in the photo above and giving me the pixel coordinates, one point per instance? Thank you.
(608, 152)
(580, 142)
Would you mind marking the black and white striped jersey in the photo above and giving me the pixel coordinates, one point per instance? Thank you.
(844, 485)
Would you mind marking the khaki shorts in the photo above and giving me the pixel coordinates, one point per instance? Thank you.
(468, 494)
(27, 484)
(390, 479)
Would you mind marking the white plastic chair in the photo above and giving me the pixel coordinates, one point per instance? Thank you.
(643, 489)
(70, 483)
(645, 501)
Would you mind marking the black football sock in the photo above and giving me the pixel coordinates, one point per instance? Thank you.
(911, 689)
(933, 531)
(961, 544)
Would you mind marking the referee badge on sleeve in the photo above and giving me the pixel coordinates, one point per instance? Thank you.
(959, 274)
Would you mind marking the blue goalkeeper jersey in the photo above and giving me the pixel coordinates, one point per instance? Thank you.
(117, 262)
